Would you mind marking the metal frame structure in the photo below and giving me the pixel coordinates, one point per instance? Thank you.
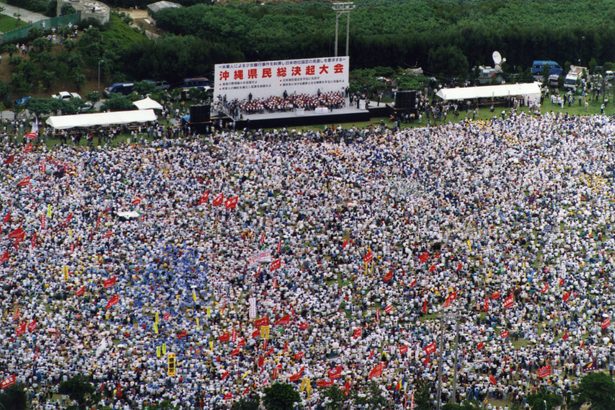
(341, 9)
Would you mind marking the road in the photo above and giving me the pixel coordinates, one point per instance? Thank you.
(25, 15)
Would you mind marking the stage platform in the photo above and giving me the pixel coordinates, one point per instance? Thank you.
(295, 118)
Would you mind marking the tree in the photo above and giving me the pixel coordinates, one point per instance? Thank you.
(78, 388)
(598, 389)
(465, 405)
(246, 403)
(421, 395)
(335, 396)
(281, 397)
(118, 103)
(13, 398)
(374, 398)
(448, 61)
(544, 400)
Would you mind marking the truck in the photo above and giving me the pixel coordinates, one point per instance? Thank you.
(538, 68)
(574, 75)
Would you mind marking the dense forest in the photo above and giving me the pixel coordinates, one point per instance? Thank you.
(444, 36)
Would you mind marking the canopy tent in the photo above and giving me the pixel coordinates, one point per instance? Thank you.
(529, 91)
(147, 104)
(103, 119)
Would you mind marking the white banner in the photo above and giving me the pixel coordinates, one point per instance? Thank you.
(263, 79)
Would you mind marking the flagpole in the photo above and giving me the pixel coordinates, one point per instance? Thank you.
(456, 359)
(440, 358)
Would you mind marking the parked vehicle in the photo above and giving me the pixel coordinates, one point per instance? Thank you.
(538, 67)
(23, 101)
(65, 96)
(119, 88)
(197, 82)
(573, 77)
(609, 75)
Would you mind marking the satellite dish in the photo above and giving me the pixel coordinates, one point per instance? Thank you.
(497, 57)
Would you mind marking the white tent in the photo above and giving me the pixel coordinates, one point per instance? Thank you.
(529, 91)
(147, 104)
(102, 119)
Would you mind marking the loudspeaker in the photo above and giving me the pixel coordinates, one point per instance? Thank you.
(405, 100)
(199, 113)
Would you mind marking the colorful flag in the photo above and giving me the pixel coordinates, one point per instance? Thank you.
(376, 371)
(275, 265)
(357, 332)
(24, 182)
(32, 326)
(324, 383)
(231, 203)
(218, 200)
(113, 301)
(264, 321)
(80, 291)
(21, 329)
(504, 334)
(430, 348)
(336, 372)
(368, 257)
(605, 323)
(480, 345)
(424, 307)
(388, 276)
(297, 376)
(544, 371)
(566, 296)
(283, 321)
(424, 257)
(403, 349)
(492, 379)
(388, 309)
(204, 198)
(8, 382)
(545, 288)
(509, 302)
(107, 283)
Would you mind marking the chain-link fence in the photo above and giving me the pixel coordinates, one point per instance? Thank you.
(54, 22)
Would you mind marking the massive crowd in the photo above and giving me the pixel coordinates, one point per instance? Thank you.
(287, 102)
(360, 250)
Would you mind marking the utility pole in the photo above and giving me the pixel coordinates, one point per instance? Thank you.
(440, 359)
(443, 318)
(456, 359)
(340, 9)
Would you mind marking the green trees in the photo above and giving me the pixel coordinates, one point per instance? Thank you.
(544, 400)
(448, 61)
(78, 388)
(246, 403)
(280, 397)
(598, 389)
(13, 398)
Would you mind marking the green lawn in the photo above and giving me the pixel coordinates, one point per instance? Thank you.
(9, 23)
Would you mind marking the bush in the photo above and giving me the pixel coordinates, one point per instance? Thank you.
(544, 400)
(39, 6)
(78, 388)
(246, 403)
(281, 397)
(597, 389)
(13, 398)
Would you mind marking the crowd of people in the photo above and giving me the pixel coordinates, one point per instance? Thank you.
(287, 102)
(334, 258)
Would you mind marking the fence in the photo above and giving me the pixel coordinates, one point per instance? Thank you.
(54, 22)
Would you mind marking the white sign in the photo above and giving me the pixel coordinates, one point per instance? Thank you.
(263, 79)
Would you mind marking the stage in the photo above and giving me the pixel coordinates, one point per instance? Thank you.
(298, 117)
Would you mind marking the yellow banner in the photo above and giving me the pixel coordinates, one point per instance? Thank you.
(171, 365)
(265, 332)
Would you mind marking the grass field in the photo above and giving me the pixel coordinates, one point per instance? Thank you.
(8, 23)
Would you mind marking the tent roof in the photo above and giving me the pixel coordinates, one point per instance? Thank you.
(489, 91)
(63, 122)
(147, 104)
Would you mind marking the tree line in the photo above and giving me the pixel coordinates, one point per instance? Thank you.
(402, 33)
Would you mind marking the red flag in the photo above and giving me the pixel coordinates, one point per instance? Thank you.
(218, 199)
(450, 298)
(28, 147)
(566, 296)
(368, 257)
(324, 383)
(605, 323)
(166, 316)
(345, 243)
(376, 371)
(69, 218)
(18, 234)
(565, 336)
(357, 332)
(504, 334)
(21, 329)
(424, 257)
(544, 371)
(231, 203)
(480, 345)
(225, 375)
(545, 288)
(403, 349)
(263, 321)
(336, 372)
(492, 379)
(136, 201)
(107, 283)
(279, 247)
(33, 240)
(303, 326)
(7, 217)
(32, 326)
(388, 276)
(433, 267)
(283, 321)
(347, 387)
(228, 396)
(424, 308)
(113, 301)
(459, 266)
(486, 305)
(235, 351)
(8, 382)
(275, 265)
(297, 376)
(256, 333)
(430, 348)
(260, 361)
(9, 160)
(24, 182)
(181, 334)
(388, 309)
(4, 257)
(80, 291)
(204, 198)
(298, 356)
(561, 281)
(509, 302)
(413, 283)
(224, 337)
(496, 295)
